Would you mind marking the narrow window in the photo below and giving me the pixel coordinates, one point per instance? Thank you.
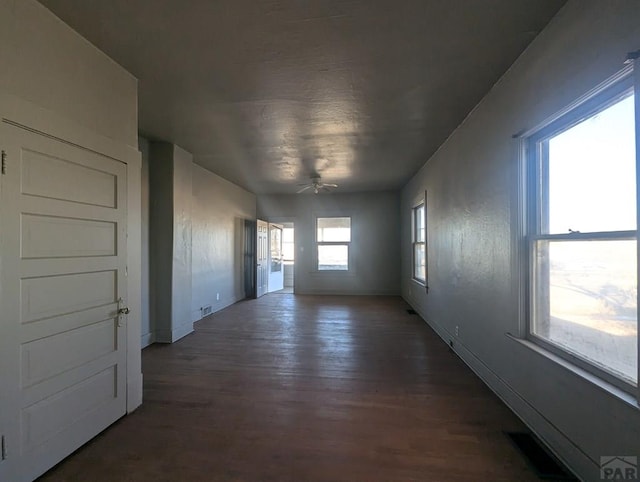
(333, 240)
(419, 244)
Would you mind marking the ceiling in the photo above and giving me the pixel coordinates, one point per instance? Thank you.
(266, 93)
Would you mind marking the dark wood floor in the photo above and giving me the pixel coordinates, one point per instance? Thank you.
(302, 388)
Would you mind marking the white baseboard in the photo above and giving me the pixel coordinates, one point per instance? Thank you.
(181, 332)
(563, 448)
(347, 293)
(147, 339)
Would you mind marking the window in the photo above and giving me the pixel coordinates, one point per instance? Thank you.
(333, 238)
(419, 244)
(582, 235)
(288, 245)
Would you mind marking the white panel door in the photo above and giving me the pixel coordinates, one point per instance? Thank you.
(276, 266)
(63, 271)
(262, 258)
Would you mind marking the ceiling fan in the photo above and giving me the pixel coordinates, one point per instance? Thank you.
(316, 184)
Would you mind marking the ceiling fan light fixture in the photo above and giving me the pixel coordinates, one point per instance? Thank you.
(316, 184)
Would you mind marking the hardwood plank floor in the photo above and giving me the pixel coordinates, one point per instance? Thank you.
(307, 388)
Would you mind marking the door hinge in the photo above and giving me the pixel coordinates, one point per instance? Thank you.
(4, 162)
(3, 448)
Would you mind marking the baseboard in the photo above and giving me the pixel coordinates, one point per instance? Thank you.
(147, 339)
(347, 293)
(215, 307)
(181, 332)
(563, 448)
(171, 336)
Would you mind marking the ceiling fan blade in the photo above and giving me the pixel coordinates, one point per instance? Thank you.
(308, 186)
(329, 185)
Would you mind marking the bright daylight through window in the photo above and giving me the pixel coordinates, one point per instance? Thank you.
(583, 235)
(419, 244)
(333, 238)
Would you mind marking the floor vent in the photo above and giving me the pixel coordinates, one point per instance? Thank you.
(412, 311)
(206, 310)
(545, 465)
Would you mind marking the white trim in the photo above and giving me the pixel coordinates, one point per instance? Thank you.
(347, 292)
(147, 339)
(340, 272)
(561, 446)
(600, 383)
(171, 336)
(422, 204)
(636, 85)
(619, 76)
(34, 118)
(531, 205)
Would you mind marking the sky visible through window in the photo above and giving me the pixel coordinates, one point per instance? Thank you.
(592, 173)
(592, 284)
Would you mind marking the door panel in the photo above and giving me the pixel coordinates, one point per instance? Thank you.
(276, 268)
(56, 237)
(63, 251)
(262, 258)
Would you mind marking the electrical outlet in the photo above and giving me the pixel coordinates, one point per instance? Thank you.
(217, 296)
(457, 330)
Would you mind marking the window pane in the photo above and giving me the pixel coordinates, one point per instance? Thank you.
(592, 173)
(419, 224)
(288, 246)
(419, 262)
(586, 301)
(276, 249)
(333, 257)
(334, 229)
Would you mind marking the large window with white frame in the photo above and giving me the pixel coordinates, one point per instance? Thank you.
(582, 234)
(419, 242)
(333, 238)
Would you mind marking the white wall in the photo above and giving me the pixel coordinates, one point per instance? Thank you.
(374, 256)
(147, 336)
(472, 185)
(170, 186)
(219, 209)
(45, 62)
(54, 81)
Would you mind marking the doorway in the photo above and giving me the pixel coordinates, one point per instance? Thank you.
(288, 257)
(281, 258)
(276, 274)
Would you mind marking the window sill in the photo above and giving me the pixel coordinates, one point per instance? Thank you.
(419, 283)
(603, 385)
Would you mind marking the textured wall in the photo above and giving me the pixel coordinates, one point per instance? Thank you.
(374, 255)
(170, 241)
(181, 279)
(218, 214)
(473, 272)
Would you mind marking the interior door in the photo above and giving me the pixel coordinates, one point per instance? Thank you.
(276, 268)
(63, 215)
(262, 258)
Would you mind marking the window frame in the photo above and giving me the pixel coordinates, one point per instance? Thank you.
(416, 243)
(535, 204)
(333, 243)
